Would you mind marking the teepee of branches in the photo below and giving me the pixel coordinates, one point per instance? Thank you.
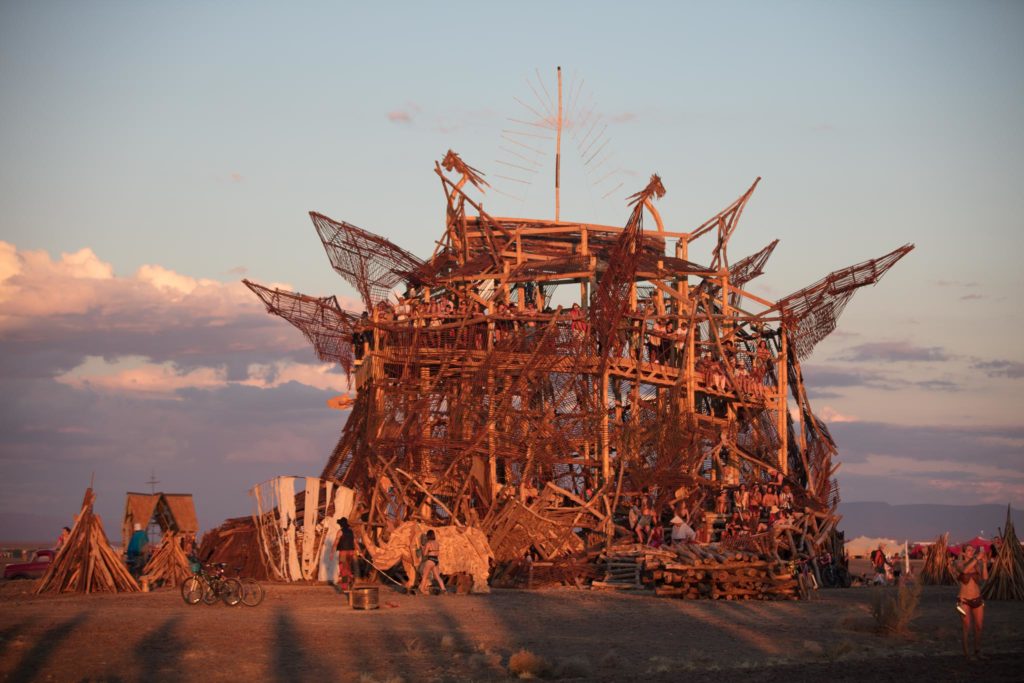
(937, 570)
(86, 563)
(169, 562)
(1006, 580)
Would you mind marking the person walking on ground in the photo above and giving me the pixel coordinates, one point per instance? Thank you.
(879, 562)
(971, 570)
(346, 547)
(431, 551)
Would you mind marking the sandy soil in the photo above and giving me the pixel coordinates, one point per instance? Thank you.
(308, 633)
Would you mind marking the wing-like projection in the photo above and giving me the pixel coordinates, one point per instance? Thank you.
(746, 269)
(812, 312)
(370, 263)
(322, 321)
(725, 221)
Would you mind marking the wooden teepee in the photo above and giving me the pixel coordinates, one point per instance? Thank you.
(937, 570)
(86, 563)
(169, 563)
(1006, 580)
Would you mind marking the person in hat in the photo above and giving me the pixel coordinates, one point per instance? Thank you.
(346, 547)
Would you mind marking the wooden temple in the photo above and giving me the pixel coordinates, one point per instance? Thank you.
(664, 379)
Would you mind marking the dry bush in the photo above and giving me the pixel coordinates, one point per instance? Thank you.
(485, 659)
(573, 667)
(525, 664)
(610, 660)
(370, 678)
(893, 610)
(413, 645)
(447, 642)
(840, 649)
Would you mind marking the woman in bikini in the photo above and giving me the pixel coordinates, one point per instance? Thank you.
(972, 570)
(431, 551)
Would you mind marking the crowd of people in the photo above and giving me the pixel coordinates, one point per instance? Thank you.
(647, 336)
(736, 510)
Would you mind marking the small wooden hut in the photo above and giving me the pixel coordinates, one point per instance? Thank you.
(172, 512)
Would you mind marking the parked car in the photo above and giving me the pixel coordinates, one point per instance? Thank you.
(33, 569)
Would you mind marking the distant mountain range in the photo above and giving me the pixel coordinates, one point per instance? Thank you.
(924, 522)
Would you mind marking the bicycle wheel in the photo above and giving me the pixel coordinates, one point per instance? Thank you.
(252, 592)
(192, 590)
(231, 592)
(212, 592)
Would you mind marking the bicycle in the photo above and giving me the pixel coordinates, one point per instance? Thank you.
(210, 585)
(252, 591)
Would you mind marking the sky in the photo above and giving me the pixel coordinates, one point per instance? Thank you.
(153, 154)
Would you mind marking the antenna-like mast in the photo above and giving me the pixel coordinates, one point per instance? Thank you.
(558, 144)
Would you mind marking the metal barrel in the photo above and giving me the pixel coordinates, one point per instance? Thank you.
(365, 597)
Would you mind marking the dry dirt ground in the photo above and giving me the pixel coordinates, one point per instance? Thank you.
(304, 633)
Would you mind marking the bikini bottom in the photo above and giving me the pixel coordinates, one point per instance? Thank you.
(973, 603)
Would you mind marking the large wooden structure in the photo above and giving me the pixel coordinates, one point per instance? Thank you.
(665, 374)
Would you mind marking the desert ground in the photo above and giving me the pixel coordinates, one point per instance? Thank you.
(308, 632)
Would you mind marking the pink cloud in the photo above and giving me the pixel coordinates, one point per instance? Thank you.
(404, 115)
(236, 177)
(624, 117)
(830, 414)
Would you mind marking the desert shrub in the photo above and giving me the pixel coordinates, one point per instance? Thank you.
(447, 642)
(525, 664)
(610, 660)
(893, 609)
(573, 667)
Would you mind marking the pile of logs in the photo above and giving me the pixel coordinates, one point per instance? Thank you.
(169, 564)
(938, 570)
(236, 543)
(695, 572)
(1006, 578)
(86, 563)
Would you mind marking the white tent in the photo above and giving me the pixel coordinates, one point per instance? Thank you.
(863, 545)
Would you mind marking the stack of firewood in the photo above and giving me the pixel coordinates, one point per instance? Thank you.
(169, 563)
(696, 571)
(938, 570)
(236, 543)
(86, 563)
(724, 574)
(1006, 579)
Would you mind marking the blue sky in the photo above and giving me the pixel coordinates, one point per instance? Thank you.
(182, 145)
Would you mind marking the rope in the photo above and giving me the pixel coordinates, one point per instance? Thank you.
(363, 557)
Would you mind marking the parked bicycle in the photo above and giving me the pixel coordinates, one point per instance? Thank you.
(210, 585)
(252, 592)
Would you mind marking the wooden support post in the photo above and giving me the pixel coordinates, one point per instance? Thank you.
(603, 407)
(782, 406)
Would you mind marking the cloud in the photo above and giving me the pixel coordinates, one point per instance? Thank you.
(972, 297)
(117, 375)
(893, 352)
(136, 375)
(832, 376)
(624, 117)
(955, 283)
(1010, 369)
(404, 115)
(830, 414)
(921, 463)
(236, 177)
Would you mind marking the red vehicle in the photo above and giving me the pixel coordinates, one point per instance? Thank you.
(32, 569)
